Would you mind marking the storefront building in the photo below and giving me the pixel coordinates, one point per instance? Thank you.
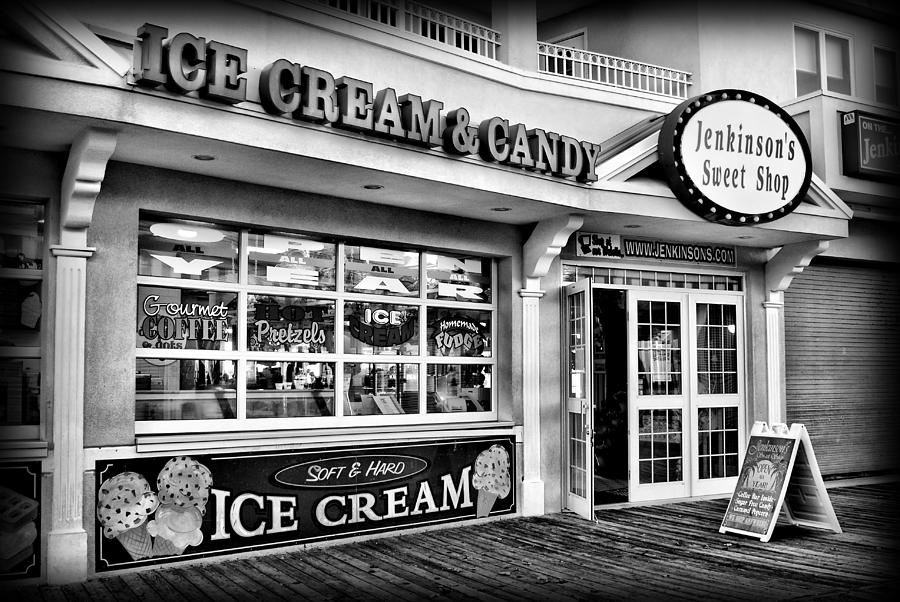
(277, 273)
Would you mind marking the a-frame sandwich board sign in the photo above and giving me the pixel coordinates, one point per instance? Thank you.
(779, 471)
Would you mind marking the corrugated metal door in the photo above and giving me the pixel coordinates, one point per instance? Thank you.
(842, 340)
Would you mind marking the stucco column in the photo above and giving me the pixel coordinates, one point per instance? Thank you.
(516, 20)
(67, 552)
(532, 483)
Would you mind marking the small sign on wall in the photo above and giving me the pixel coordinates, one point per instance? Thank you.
(870, 146)
(779, 471)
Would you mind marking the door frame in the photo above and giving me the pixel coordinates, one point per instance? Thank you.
(689, 298)
(578, 447)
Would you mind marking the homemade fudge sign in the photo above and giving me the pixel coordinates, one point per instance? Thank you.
(779, 470)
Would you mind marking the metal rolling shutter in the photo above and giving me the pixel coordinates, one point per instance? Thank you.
(842, 346)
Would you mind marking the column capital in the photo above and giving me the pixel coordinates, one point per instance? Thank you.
(527, 293)
(71, 251)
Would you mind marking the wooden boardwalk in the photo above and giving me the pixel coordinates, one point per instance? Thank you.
(655, 552)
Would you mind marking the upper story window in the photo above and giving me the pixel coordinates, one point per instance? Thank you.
(885, 76)
(822, 61)
(21, 312)
(247, 330)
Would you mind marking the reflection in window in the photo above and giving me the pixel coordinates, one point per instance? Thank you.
(291, 260)
(185, 249)
(659, 446)
(20, 391)
(294, 324)
(458, 388)
(716, 349)
(169, 389)
(381, 389)
(717, 442)
(659, 347)
(20, 313)
(376, 271)
(457, 278)
(21, 235)
(289, 389)
(381, 329)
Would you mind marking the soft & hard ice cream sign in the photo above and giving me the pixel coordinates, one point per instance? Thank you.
(735, 158)
(163, 509)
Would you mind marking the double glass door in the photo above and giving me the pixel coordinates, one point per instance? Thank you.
(655, 394)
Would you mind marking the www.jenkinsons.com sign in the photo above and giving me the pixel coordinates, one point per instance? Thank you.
(735, 158)
(185, 64)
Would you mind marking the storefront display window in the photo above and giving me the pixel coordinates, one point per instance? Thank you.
(381, 329)
(285, 389)
(186, 249)
(291, 261)
(293, 324)
(21, 317)
(287, 326)
(377, 271)
(171, 389)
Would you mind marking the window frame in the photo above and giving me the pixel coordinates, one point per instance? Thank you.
(821, 36)
(338, 357)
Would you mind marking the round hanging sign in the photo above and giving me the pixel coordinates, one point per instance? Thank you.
(735, 158)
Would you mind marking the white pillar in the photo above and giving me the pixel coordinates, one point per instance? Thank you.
(538, 253)
(67, 552)
(67, 542)
(516, 20)
(532, 484)
(775, 386)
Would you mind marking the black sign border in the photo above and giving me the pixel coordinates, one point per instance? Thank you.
(669, 151)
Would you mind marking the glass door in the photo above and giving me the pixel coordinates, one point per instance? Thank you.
(659, 397)
(579, 399)
(717, 391)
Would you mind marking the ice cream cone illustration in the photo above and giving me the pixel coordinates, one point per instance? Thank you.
(137, 542)
(123, 504)
(174, 529)
(491, 478)
(184, 482)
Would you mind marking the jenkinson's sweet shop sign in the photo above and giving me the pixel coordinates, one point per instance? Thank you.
(163, 509)
(187, 64)
(735, 158)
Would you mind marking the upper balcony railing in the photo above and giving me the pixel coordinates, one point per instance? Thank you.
(450, 30)
(427, 22)
(612, 71)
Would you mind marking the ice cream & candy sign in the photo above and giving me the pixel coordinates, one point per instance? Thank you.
(152, 510)
(735, 158)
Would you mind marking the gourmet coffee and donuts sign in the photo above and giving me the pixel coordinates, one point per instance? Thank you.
(735, 158)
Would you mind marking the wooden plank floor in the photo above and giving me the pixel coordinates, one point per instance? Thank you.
(657, 552)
